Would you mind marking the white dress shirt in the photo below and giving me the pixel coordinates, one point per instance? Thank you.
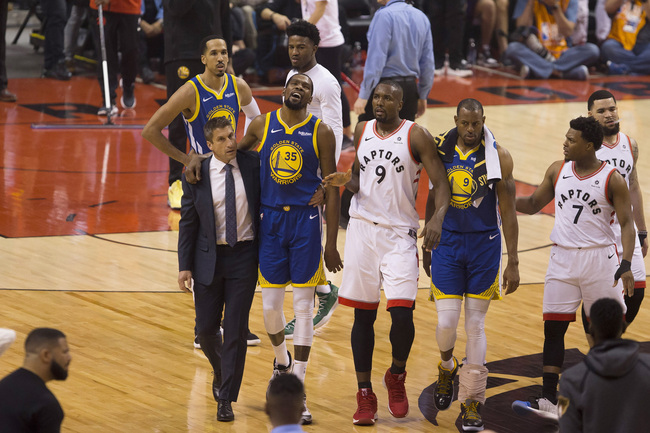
(218, 184)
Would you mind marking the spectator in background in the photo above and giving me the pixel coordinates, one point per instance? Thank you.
(400, 49)
(5, 94)
(485, 14)
(324, 14)
(273, 18)
(151, 39)
(284, 399)
(614, 367)
(78, 13)
(26, 404)
(447, 24)
(549, 54)
(622, 51)
(120, 31)
(54, 61)
(242, 56)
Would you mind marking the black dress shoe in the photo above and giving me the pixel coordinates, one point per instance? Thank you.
(224, 411)
(58, 72)
(216, 386)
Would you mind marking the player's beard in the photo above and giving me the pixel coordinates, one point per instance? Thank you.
(57, 370)
(611, 131)
(295, 106)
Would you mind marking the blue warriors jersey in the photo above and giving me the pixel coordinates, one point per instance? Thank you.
(290, 162)
(209, 104)
(464, 213)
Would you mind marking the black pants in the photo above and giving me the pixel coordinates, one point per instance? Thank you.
(447, 24)
(55, 18)
(120, 31)
(330, 58)
(176, 76)
(410, 107)
(231, 291)
(3, 44)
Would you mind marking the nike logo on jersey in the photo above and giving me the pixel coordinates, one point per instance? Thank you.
(207, 99)
(609, 257)
(311, 217)
(566, 177)
(367, 138)
(494, 236)
(273, 131)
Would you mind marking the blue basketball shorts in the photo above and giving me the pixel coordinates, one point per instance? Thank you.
(466, 264)
(290, 247)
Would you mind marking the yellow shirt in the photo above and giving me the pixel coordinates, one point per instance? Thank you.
(549, 34)
(629, 19)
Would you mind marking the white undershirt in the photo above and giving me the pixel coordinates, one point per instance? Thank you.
(218, 184)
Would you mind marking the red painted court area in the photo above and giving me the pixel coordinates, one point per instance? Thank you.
(98, 181)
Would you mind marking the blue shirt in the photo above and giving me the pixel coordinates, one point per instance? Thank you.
(289, 170)
(399, 45)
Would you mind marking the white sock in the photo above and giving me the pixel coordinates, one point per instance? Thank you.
(449, 364)
(281, 354)
(324, 289)
(300, 369)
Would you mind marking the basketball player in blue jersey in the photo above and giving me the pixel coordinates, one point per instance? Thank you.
(295, 149)
(589, 194)
(211, 94)
(467, 262)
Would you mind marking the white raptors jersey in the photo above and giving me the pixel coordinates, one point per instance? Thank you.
(618, 155)
(583, 213)
(388, 178)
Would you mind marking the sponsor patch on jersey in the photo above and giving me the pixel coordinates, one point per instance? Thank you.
(183, 72)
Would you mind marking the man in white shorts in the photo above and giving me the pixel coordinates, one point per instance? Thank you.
(622, 152)
(380, 246)
(584, 264)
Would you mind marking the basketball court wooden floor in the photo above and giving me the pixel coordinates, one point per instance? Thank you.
(88, 245)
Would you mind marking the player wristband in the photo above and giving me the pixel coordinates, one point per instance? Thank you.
(642, 235)
(623, 268)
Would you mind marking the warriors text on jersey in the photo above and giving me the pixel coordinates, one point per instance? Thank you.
(388, 178)
(618, 155)
(290, 161)
(209, 104)
(583, 212)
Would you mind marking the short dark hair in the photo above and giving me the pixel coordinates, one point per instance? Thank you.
(395, 85)
(305, 29)
(590, 129)
(305, 75)
(204, 42)
(606, 318)
(469, 104)
(598, 95)
(39, 338)
(215, 123)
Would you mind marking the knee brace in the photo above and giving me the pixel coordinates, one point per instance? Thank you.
(475, 311)
(303, 308)
(402, 332)
(272, 304)
(554, 331)
(472, 382)
(448, 317)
